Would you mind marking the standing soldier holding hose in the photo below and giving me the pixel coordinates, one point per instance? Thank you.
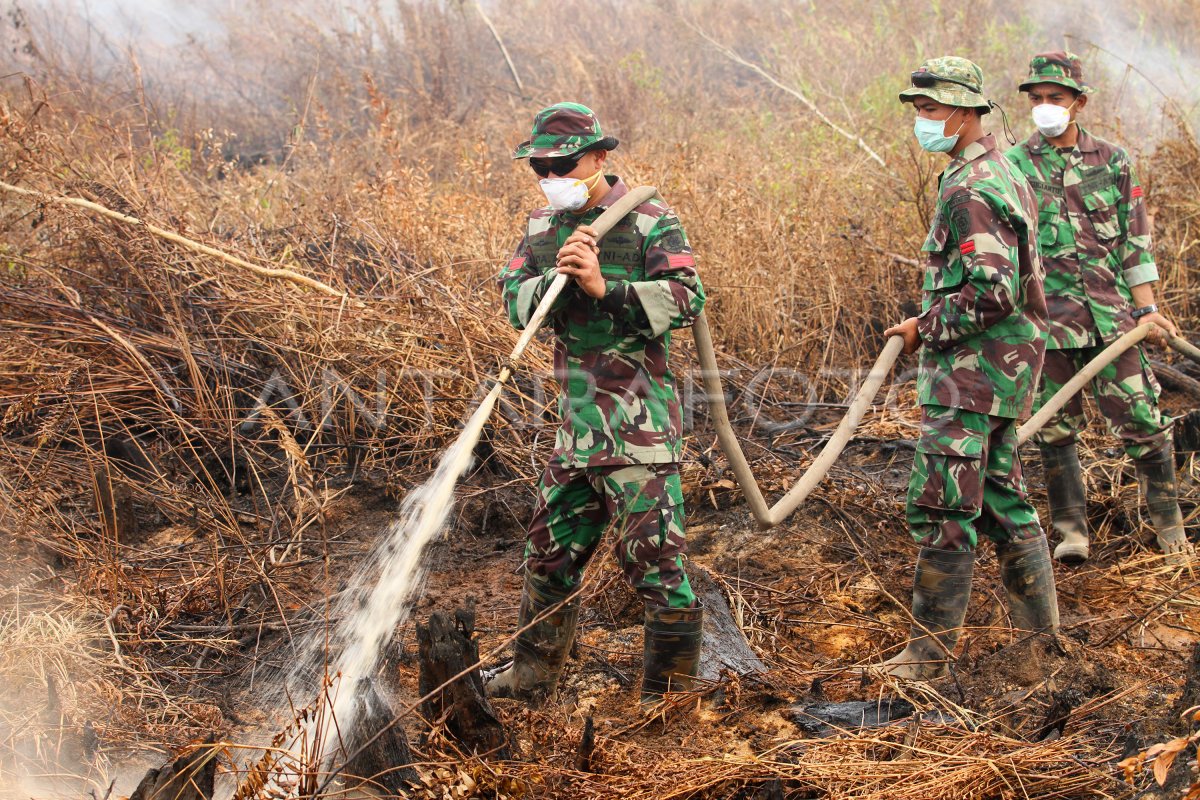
(617, 451)
(1095, 245)
(982, 338)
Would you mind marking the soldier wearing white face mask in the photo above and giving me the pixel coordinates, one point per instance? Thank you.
(1094, 239)
(616, 457)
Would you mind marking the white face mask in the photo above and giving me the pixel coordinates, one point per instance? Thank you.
(568, 194)
(1052, 120)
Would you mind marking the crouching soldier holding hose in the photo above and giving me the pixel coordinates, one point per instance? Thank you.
(617, 451)
(982, 339)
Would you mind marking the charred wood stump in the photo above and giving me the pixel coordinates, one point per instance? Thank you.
(445, 648)
(384, 763)
(725, 647)
(188, 777)
(587, 747)
(1186, 433)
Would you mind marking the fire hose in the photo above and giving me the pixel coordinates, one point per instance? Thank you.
(1092, 369)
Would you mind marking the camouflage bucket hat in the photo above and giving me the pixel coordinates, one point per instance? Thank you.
(1058, 67)
(949, 80)
(564, 129)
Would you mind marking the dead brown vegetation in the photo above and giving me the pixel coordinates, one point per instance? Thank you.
(193, 528)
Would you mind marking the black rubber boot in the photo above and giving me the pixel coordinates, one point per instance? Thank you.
(1028, 577)
(941, 592)
(671, 650)
(541, 651)
(1157, 477)
(1068, 501)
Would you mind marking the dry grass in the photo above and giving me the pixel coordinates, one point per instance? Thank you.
(377, 160)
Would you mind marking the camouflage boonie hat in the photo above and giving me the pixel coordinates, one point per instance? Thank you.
(954, 81)
(563, 129)
(1058, 67)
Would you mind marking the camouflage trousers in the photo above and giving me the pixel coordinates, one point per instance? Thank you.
(1126, 392)
(643, 502)
(966, 480)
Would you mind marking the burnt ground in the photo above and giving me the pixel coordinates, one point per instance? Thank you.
(822, 596)
(817, 598)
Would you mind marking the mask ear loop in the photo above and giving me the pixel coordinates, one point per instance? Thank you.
(957, 131)
(1008, 134)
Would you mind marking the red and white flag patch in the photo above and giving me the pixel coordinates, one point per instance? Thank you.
(680, 260)
(967, 247)
(1137, 192)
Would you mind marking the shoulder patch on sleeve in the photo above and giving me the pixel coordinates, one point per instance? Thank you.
(959, 213)
(672, 241)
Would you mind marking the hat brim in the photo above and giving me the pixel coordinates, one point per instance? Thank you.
(1067, 82)
(527, 150)
(960, 98)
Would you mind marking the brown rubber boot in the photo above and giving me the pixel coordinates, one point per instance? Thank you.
(941, 592)
(1029, 579)
(1156, 475)
(541, 651)
(1068, 501)
(671, 650)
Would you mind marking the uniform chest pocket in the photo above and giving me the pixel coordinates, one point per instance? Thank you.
(944, 270)
(621, 254)
(1101, 207)
(1050, 216)
(621, 262)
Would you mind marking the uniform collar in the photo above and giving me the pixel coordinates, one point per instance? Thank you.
(616, 190)
(975, 150)
(1086, 143)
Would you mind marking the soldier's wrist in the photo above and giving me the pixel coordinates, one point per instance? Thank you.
(1142, 311)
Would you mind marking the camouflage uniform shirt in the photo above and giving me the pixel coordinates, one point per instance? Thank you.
(618, 403)
(984, 315)
(1094, 236)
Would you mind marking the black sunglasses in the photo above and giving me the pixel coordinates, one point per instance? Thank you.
(924, 79)
(559, 166)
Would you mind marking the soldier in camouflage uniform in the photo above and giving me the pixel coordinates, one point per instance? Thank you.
(617, 452)
(1094, 238)
(982, 337)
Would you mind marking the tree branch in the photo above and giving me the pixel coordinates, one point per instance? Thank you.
(809, 104)
(265, 272)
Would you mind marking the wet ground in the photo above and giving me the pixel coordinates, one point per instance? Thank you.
(816, 599)
(819, 598)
